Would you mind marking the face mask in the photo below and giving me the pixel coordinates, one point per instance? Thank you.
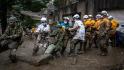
(44, 24)
(65, 22)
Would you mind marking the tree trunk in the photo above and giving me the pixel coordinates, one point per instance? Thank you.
(3, 14)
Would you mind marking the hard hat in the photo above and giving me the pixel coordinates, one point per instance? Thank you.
(66, 18)
(12, 19)
(90, 16)
(85, 17)
(76, 16)
(110, 17)
(104, 13)
(43, 19)
(98, 16)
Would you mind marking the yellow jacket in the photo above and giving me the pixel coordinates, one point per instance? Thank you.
(106, 20)
(97, 24)
(89, 22)
(33, 30)
(114, 24)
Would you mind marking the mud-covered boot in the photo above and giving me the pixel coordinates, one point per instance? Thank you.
(12, 56)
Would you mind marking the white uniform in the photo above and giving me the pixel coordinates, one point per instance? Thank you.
(42, 28)
(80, 34)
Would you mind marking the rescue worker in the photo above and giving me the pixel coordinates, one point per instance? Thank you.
(85, 20)
(79, 37)
(114, 25)
(44, 26)
(96, 27)
(92, 30)
(105, 19)
(103, 36)
(92, 21)
(42, 30)
(66, 33)
(98, 21)
(64, 23)
(12, 37)
(88, 26)
(56, 41)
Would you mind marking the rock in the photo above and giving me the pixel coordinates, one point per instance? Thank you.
(50, 49)
(25, 54)
(35, 60)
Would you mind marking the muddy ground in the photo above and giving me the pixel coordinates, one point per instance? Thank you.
(87, 61)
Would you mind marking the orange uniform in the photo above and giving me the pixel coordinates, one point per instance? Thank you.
(114, 24)
(106, 20)
(97, 24)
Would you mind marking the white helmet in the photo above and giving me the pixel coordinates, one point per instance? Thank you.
(43, 19)
(98, 16)
(90, 16)
(104, 13)
(110, 17)
(85, 17)
(76, 16)
(66, 18)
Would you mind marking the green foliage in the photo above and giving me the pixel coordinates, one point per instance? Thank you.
(29, 22)
(33, 5)
(56, 3)
(36, 6)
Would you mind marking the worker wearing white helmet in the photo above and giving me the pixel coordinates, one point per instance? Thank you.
(66, 19)
(90, 16)
(114, 22)
(98, 21)
(91, 20)
(43, 19)
(98, 16)
(104, 13)
(110, 17)
(43, 26)
(85, 17)
(76, 16)
(80, 32)
(105, 19)
(66, 22)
